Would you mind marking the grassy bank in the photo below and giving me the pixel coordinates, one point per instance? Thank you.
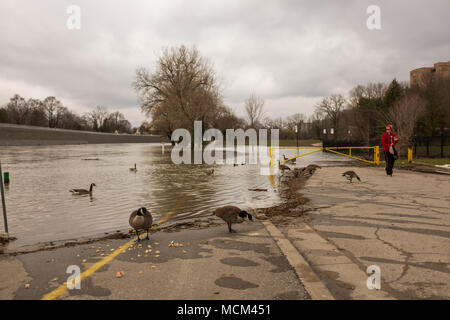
(428, 161)
(285, 143)
(301, 143)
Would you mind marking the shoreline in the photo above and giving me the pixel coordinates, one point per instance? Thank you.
(292, 200)
(325, 232)
(293, 205)
(21, 135)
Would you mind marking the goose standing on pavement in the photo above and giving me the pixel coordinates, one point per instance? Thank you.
(293, 161)
(141, 219)
(282, 167)
(351, 175)
(232, 214)
(312, 168)
(83, 191)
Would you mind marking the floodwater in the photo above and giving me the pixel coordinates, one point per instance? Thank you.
(40, 207)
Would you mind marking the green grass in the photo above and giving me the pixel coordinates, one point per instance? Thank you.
(301, 143)
(288, 143)
(434, 150)
(432, 161)
(426, 161)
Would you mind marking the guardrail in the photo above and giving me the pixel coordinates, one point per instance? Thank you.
(376, 151)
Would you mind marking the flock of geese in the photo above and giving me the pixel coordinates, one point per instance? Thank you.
(350, 175)
(141, 219)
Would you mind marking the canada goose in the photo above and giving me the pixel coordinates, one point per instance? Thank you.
(293, 161)
(83, 191)
(282, 167)
(141, 219)
(230, 215)
(350, 175)
(134, 169)
(298, 171)
(210, 172)
(312, 168)
(235, 165)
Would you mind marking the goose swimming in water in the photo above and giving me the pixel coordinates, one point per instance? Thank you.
(141, 219)
(133, 169)
(210, 172)
(83, 191)
(231, 214)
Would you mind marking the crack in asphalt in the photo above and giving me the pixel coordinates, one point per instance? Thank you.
(407, 255)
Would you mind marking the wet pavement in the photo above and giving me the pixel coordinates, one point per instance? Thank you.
(211, 264)
(399, 223)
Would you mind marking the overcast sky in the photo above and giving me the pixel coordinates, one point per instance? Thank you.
(292, 53)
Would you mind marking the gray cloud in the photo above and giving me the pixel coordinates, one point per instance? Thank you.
(290, 52)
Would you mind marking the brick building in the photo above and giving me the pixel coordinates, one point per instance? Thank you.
(418, 76)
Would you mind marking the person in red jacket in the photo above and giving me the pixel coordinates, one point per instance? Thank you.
(389, 140)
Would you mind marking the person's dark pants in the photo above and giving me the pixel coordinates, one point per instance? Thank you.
(389, 162)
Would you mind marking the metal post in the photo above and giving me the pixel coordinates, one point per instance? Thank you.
(377, 155)
(270, 155)
(3, 200)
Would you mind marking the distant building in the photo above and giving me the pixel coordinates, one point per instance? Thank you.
(418, 76)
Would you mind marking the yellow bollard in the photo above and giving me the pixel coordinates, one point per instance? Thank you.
(270, 155)
(377, 155)
(410, 155)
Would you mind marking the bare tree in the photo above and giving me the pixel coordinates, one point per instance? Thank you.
(116, 121)
(254, 108)
(332, 108)
(37, 115)
(17, 110)
(182, 89)
(98, 116)
(296, 120)
(51, 104)
(227, 119)
(370, 91)
(404, 116)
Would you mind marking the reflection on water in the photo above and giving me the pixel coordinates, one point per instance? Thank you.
(41, 208)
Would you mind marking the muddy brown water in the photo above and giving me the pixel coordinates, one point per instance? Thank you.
(41, 208)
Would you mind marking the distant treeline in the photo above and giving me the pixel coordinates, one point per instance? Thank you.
(52, 113)
(418, 111)
(183, 88)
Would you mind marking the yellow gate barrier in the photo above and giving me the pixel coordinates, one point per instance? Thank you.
(376, 153)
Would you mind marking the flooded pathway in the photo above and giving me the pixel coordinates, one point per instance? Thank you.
(41, 208)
